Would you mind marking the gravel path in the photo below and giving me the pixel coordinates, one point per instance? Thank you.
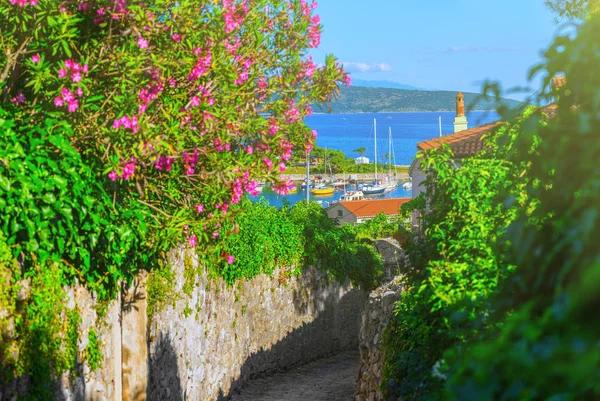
(330, 379)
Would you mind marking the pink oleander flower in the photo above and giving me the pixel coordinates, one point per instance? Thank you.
(193, 241)
(62, 72)
(76, 76)
(58, 101)
(176, 37)
(268, 162)
(35, 59)
(113, 175)
(347, 80)
(249, 150)
(199, 207)
(195, 101)
(230, 259)
(73, 105)
(215, 235)
(79, 92)
(282, 167)
(142, 43)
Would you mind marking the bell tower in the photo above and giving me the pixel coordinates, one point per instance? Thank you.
(460, 121)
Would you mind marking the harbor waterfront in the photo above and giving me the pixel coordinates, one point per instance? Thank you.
(300, 196)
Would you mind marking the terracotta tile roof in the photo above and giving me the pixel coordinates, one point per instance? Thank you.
(373, 207)
(463, 143)
(468, 142)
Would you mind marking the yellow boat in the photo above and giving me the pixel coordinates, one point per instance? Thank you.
(293, 190)
(322, 191)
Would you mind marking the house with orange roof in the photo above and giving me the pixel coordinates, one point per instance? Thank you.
(359, 211)
(464, 142)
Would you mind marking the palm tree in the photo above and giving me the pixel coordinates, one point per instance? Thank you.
(361, 151)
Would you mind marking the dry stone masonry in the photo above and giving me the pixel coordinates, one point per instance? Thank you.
(375, 318)
(204, 346)
(255, 327)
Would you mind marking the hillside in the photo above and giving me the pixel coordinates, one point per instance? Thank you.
(359, 99)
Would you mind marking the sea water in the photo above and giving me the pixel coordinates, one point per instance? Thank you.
(347, 132)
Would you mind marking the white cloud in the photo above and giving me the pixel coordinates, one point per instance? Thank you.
(350, 66)
(470, 49)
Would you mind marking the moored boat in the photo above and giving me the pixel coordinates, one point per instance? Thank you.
(352, 196)
(322, 190)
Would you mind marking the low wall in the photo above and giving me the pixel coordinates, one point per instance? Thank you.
(205, 345)
(255, 327)
(375, 318)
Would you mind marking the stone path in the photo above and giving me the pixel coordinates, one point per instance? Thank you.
(330, 379)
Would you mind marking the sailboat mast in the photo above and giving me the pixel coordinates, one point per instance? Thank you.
(390, 152)
(307, 178)
(375, 131)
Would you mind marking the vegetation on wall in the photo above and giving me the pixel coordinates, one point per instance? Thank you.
(502, 285)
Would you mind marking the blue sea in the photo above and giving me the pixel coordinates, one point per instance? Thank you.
(348, 132)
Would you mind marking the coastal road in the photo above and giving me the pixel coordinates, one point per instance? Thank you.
(329, 379)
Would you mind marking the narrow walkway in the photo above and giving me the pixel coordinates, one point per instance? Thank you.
(330, 379)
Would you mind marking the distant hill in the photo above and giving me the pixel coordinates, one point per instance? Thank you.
(359, 99)
(382, 84)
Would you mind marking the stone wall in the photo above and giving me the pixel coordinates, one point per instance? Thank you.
(375, 318)
(255, 327)
(205, 345)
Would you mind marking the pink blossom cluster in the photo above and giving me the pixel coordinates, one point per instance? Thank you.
(307, 69)
(164, 163)
(292, 114)
(273, 127)
(19, 99)
(233, 16)
(193, 241)
(23, 3)
(283, 187)
(286, 149)
(202, 64)
(68, 98)
(128, 170)
(309, 146)
(73, 70)
(220, 146)
(233, 45)
(242, 184)
(222, 207)
(127, 122)
(347, 80)
(268, 163)
(243, 74)
(120, 9)
(149, 94)
(314, 32)
(190, 161)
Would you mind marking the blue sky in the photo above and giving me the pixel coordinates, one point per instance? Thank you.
(436, 44)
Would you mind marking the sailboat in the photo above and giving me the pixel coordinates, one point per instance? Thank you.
(323, 189)
(391, 182)
(375, 188)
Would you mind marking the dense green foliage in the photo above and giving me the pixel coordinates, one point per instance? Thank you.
(53, 207)
(302, 235)
(357, 99)
(503, 285)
